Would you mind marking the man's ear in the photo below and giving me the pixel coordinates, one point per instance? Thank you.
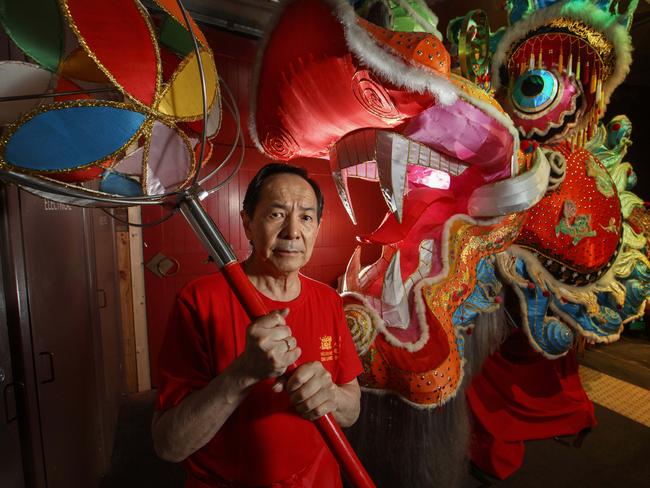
(246, 222)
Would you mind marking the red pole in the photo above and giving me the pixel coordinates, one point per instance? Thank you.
(328, 427)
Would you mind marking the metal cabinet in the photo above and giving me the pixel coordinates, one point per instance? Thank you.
(11, 463)
(63, 319)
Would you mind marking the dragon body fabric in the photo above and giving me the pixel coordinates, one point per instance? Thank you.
(502, 176)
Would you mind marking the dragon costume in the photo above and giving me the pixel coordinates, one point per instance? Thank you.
(501, 177)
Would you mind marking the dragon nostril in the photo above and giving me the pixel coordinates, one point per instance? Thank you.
(532, 85)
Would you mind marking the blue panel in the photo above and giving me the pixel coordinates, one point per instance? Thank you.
(550, 336)
(119, 184)
(71, 137)
(482, 298)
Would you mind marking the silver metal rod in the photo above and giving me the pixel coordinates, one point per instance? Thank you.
(72, 195)
(205, 228)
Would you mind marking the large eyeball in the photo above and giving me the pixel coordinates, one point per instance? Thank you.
(545, 105)
(534, 91)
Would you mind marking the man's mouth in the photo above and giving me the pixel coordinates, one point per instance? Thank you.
(287, 251)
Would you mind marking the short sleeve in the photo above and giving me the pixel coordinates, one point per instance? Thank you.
(184, 363)
(349, 366)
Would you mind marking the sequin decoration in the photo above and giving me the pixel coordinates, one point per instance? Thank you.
(413, 47)
(571, 228)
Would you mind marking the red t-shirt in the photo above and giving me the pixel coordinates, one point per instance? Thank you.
(264, 441)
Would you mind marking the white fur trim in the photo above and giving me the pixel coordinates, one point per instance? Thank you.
(386, 64)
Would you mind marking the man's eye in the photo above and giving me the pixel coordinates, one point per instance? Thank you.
(276, 215)
(307, 218)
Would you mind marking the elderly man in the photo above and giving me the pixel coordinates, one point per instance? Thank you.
(223, 408)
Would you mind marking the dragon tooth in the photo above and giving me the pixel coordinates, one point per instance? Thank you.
(424, 264)
(391, 157)
(341, 182)
(350, 280)
(371, 272)
(340, 178)
(395, 309)
(393, 287)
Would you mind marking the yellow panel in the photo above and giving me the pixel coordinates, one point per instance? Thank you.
(181, 98)
(79, 66)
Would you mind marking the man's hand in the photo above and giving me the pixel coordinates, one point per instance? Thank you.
(313, 394)
(270, 347)
(312, 391)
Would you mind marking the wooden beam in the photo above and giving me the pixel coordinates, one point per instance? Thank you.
(139, 301)
(126, 309)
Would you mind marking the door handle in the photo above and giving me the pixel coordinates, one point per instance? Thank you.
(10, 418)
(101, 295)
(50, 356)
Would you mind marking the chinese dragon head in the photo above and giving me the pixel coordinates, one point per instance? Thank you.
(495, 170)
(384, 106)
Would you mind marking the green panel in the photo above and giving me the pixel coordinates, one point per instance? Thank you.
(35, 27)
(174, 36)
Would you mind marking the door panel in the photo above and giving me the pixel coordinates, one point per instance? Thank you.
(11, 463)
(108, 341)
(61, 314)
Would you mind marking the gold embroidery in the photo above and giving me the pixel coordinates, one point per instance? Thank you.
(329, 349)
(326, 342)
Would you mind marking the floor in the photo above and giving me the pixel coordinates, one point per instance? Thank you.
(615, 454)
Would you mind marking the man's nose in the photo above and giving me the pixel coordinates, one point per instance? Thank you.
(291, 228)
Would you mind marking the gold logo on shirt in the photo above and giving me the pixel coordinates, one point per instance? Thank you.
(329, 349)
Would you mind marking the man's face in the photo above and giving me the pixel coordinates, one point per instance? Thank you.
(284, 227)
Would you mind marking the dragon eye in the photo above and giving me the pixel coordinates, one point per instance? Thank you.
(534, 90)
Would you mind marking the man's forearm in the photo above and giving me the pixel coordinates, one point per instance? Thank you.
(348, 399)
(185, 428)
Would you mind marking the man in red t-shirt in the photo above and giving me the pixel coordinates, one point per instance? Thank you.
(221, 408)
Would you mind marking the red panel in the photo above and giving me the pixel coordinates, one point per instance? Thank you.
(334, 246)
(117, 34)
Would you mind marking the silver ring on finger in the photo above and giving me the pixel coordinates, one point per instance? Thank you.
(286, 341)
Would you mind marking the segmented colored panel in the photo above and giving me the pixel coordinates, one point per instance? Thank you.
(36, 28)
(118, 36)
(69, 137)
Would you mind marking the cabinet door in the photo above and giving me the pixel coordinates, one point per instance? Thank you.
(63, 315)
(108, 342)
(11, 465)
